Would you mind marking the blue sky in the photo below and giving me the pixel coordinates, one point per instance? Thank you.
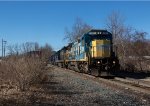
(44, 22)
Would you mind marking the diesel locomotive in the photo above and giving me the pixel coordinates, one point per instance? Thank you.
(93, 53)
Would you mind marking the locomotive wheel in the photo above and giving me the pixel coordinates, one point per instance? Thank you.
(95, 72)
(85, 68)
(80, 67)
(76, 68)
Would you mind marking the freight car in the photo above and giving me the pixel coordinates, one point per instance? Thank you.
(93, 53)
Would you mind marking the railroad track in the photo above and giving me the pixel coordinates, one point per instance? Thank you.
(134, 82)
(128, 83)
(124, 83)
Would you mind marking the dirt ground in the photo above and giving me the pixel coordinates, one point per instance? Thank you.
(64, 88)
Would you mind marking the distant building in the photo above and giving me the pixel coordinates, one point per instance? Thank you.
(36, 53)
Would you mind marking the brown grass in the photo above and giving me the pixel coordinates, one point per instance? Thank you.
(21, 72)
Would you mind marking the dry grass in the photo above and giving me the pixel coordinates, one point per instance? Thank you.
(135, 65)
(21, 78)
(21, 72)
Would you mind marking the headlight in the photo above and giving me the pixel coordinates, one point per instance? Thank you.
(114, 62)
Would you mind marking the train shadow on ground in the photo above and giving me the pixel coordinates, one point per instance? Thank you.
(108, 77)
(135, 75)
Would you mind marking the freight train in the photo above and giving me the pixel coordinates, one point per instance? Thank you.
(93, 54)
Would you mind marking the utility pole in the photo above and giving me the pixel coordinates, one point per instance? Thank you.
(4, 50)
(3, 47)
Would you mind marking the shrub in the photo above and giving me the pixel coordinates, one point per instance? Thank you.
(21, 71)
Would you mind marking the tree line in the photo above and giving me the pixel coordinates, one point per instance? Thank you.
(133, 48)
(24, 48)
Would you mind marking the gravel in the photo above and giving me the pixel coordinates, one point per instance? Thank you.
(73, 89)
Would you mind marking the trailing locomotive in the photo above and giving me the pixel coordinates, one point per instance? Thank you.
(93, 53)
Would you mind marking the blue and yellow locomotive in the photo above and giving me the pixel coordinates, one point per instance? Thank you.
(93, 53)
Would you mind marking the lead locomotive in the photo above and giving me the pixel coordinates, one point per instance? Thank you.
(93, 53)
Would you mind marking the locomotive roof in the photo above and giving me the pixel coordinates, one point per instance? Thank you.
(98, 30)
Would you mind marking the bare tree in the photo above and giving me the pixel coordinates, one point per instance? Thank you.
(46, 52)
(30, 46)
(10, 49)
(138, 47)
(78, 29)
(23, 48)
(115, 24)
(36, 46)
(13, 49)
(129, 41)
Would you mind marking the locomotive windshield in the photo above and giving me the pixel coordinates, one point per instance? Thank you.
(100, 35)
(107, 37)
